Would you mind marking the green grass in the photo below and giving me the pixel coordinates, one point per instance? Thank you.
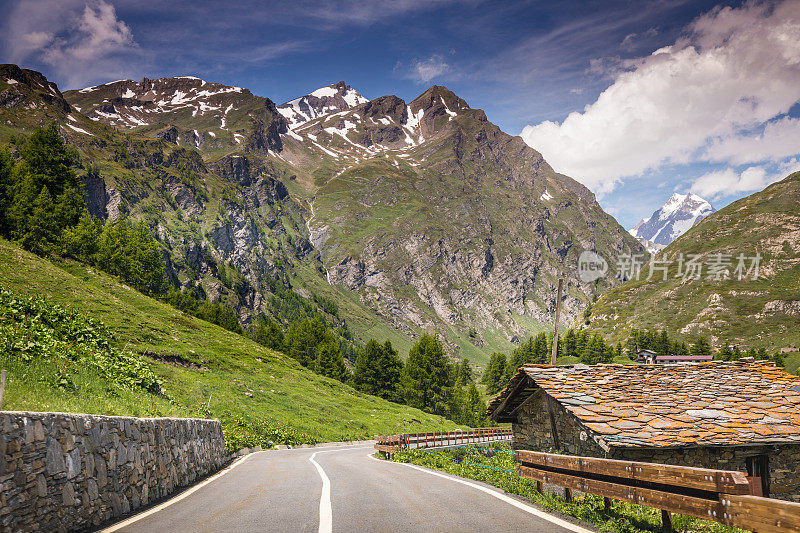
(623, 516)
(253, 390)
(729, 311)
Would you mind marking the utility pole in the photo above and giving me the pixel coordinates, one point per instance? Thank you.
(555, 322)
(2, 386)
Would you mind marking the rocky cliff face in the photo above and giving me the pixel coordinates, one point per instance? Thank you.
(439, 220)
(432, 216)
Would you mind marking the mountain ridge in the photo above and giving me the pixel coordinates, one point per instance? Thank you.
(760, 309)
(679, 213)
(421, 215)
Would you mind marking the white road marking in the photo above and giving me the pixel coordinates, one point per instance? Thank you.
(176, 499)
(325, 510)
(192, 490)
(511, 501)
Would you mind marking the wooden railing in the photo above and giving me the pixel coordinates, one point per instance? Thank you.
(391, 443)
(723, 496)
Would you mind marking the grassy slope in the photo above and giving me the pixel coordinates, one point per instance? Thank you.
(728, 310)
(283, 393)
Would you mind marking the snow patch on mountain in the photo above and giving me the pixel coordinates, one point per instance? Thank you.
(670, 221)
(324, 101)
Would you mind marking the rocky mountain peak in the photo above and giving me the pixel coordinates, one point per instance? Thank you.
(385, 106)
(325, 100)
(671, 220)
(128, 104)
(19, 87)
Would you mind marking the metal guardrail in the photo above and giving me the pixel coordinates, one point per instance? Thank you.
(727, 497)
(392, 443)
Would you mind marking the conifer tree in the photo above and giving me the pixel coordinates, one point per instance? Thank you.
(428, 378)
(329, 361)
(495, 373)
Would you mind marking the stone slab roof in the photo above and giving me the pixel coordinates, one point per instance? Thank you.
(670, 405)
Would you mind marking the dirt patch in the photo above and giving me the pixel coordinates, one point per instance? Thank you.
(174, 360)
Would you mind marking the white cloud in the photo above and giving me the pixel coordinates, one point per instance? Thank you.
(424, 70)
(81, 41)
(778, 139)
(734, 71)
(728, 182)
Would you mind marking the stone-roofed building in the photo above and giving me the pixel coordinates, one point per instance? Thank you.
(737, 415)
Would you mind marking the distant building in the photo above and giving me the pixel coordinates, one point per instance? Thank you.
(646, 356)
(737, 415)
(683, 358)
(650, 357)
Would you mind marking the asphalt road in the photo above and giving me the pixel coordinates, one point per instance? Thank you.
(339, 489)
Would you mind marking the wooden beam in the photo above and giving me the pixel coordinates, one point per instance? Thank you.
(676, 503)
(765, 515)
(685, 476)
(521, 385)
(553, 428)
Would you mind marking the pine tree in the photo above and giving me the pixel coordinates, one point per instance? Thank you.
(81, 241)
(46, 157)
(597, 351)
(6, 191)
(266, 332)
(303, 338)
(475, 408)
(495, 373)
(726, 354)
(569, 344)
(427, 376)
(541, 350)
(329, 361)
(378, 369)
(40, 232)
(464, 373)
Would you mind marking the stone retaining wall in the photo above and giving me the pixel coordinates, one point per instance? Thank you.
(61, 471)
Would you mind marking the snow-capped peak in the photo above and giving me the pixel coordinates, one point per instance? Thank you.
(670, 221)
(324, 101)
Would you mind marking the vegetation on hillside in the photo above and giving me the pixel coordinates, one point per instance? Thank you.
(727, 301)
(260, 395)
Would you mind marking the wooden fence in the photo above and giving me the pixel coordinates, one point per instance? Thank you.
(391, 443)
(727, 497)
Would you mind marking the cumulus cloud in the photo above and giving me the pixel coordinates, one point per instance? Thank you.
(81, 41)
(722, 89)
(728, 182)
(424, 70)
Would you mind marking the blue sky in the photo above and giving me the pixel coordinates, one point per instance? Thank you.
(713, 110)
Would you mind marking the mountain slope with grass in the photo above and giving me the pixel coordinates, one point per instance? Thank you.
(748, 312)
(407, 217)
(260, 395)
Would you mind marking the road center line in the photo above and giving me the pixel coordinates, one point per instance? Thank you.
(511, 501)
(325, 510)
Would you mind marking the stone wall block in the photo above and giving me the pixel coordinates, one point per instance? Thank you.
(61, 472)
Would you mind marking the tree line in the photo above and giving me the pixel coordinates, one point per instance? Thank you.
(592, 348)
(427, 380)
(42, 209)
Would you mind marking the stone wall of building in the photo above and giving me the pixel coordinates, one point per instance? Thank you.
(61, 471)
(532, 431)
